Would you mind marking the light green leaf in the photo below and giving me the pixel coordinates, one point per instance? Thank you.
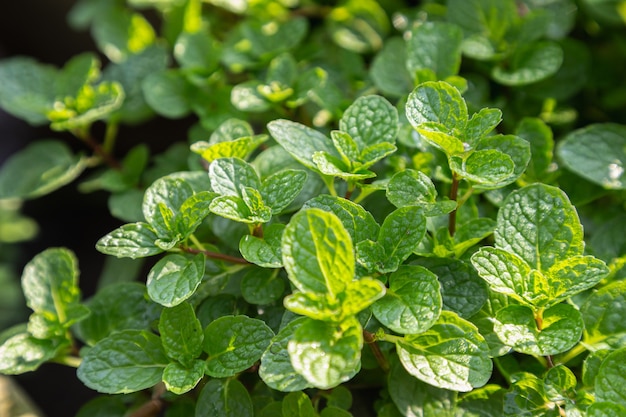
(300, 141)
(415, 398)
(489, 166)
(21, 352)
(516, 148)
(388, 68)
(576, 274)
(603, 311)
(527, 397)
(327, 354)
(117, 307)
(254, 201)
(481, 124)
(236, 148)
(346, 146)
(451, 354)
(370, 120)
(333, 166)
(51, 165)
(162, 202)
(413, 302)
(359, 295)
(597, 153)
(124, 362)
(298, 404)
(179, 379)
(314, 305)
(560, 383)
(234, 343)
(605, 409)
(230, 130)
(359, 223)
(262, 286)
(276, 369)
(556, 330)
(540, 225)
(411, 188)
(375, 153)
(280, 189)
(529, 63)
(175, 278)
(133, 240)
(247, 97)
(318, 253)
(435, 46)
(181, 333)
(168, 93)
(224, 398)
(487, 401)
(192, 212)
(265, 252)
(197, 52)
(229, 175)
(119, 33)
(400, 234)
(233, 208)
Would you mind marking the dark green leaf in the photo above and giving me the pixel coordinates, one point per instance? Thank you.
(560, 382)
(605, 409)
(262, 286)
(451, 354)
(327, 354)
(124, 362)
(192, 212)
(530, 63)
(539, 135)
(265, 252)
(133, 240)
(435, 46)
(248, 98)
(168, 93)
(489, 166)
(298, 404)
(611, 379)
(481, 124)
(229, 175)
(175, 278)
(181, 333)
(400, 234)
(388, 69)
(162, 202)
(180, 379)
(280, 189)
(197, 52)
(526, 397)
(487, 401)
(413, 302)
(224, 398)
(602, 313)
(234, 343)
(370, 120)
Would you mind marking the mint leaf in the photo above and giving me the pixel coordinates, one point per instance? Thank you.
(487, 401)
(162, 201)
(224, 398)
(370, 120)
(117, 307)
(602, 164)
(529, 63)
(262, 286)
(540, 137)
(481, 124)
(511, 146)
(175, 278)
(388, 68)
(265, 252)
(192, 212)
(540, 225)
(527, 396)
(358, 222)
(238, 148)
(280, 189)
(560, 383)
(400, 234)
(605, 409)
(51, 166)
(168, 93)
(556, 330)
(412, 303)
(325, 353)
(276, 369)
(229, 175)
(234, 343)
(179, 379)
(451, 354)
(197, 52)
(21, 352)
(235, 208)
(487, 166)
(127, 361)
(133, 240)
(181, 333)
(601, 313)
(298, 404)
(300, 141)
(435, 46)
(574, 275)
(318, 253)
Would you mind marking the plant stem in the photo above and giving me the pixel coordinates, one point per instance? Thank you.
(73, 361)
(370, 339)
(216, 255)
(97, 149)
(153, 406)
(109, 137)
(454, 191)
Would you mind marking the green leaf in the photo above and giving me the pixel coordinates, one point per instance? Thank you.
(370, 120)
(489, 166)
(298, 404)
(556, 330)
(605, 409)
(117, 307)
(602, 313)
(540, 137)
(236, 148)
(374, 153)
(560, 382)
(300, 141)
(262, 286)
(333, 166)
(21, 352)
(400, 234)
(540, 225)
(597, 153)
(574, 275)
(181, 333)
(119, 33)
(168, 93)
(318, 253)
(529, 63)
(513, 147)
(247, 97)
(133, 240)
(481, 124)
(327, 354)
(413, 302)
(388, 68)
(175, 278)
(162, 202)
(179, 379)
(234, 343)
(462, 290)
(192, 212)
(321, 307)
(276, 369)
(359, 223)
(127, 361)
(230, 175)
(51, 166)
(265, 252)
(527, 397)
(487, 401)
(415, 398)
(451, 354)
(230, 130)
(279, 190)
(435, 46)
(197, 52)
(224, 398)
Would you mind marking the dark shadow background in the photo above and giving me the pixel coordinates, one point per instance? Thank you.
(39, 28)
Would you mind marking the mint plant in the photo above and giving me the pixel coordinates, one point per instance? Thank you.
(421, 201)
